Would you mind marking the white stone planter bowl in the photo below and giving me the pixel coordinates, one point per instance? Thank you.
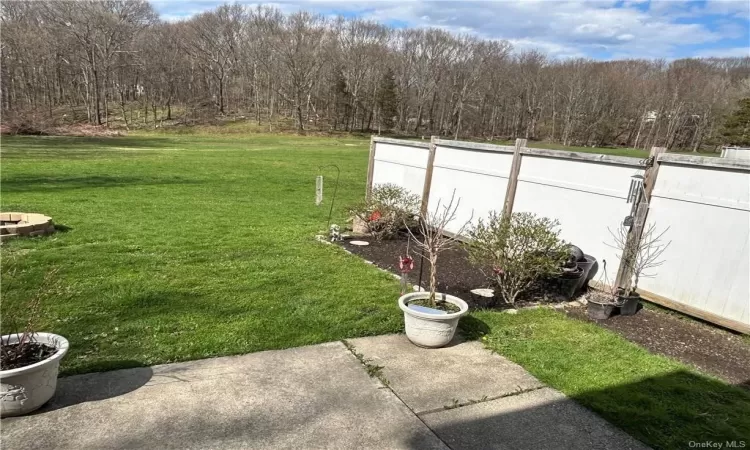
(27, 388)
(431, 330)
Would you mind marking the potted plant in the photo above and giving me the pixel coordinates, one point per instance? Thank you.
(601, 301)
(517, 251)
(639, 259)
(385, 211)
(29, 361)
(431, 318)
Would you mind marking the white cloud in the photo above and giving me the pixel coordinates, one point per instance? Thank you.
(734, 52)
(563, 29)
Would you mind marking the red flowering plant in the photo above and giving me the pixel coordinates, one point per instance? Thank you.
(405, 265)
(386, 211)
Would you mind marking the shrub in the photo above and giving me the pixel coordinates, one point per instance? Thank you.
(387, 210)
(432, 239)
(517, 251)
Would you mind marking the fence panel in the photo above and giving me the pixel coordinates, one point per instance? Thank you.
(401, 162)
(479, 178)
(707, 210)
(705, 202)
(586, 197)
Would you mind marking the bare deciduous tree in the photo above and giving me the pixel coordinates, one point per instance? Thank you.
(434, 239)
(114, 62)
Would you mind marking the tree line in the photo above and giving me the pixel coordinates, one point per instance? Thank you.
(116, 63)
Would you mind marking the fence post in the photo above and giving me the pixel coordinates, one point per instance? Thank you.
(625, 270)
(515, 168)
(370, 168)
(428, 176)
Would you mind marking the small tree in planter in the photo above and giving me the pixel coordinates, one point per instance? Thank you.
(29, 360)
(388, 208)
(520, 250)
(431, 318)
(640, 258)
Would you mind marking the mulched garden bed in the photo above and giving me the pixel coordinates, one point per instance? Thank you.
(710, 349)
(456, 276)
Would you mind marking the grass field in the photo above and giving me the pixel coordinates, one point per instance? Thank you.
(186, 246)
(655, 399)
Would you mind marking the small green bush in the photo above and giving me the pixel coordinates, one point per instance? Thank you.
(517, 251)
(388, 209)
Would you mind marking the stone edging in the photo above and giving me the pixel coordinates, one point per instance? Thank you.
(25, 224)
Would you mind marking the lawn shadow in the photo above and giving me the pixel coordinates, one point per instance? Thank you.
(472, 328)
(68, 148)
(60, 228)
(21, 183)
(667, 411)
(93, 387)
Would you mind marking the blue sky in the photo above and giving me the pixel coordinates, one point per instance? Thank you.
(598, 29)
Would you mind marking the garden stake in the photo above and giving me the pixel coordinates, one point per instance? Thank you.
(335, 187)
(421, 266)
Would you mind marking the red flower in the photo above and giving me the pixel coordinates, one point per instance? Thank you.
(405, 263)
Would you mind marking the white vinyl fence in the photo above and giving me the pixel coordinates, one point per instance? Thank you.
(705, 202)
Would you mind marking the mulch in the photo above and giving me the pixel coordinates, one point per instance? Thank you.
(455, 275)
(710, 349)
(713, 350)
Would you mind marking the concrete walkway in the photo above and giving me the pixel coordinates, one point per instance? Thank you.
(458, 397)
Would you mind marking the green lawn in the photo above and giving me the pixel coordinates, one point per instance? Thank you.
(193, 245)
(655, 399)
(616, 151)
(184, 247)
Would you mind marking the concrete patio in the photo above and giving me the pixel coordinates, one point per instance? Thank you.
(321, 396)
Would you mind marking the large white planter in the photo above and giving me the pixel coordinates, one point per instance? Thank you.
(27, 388)
(431, 330)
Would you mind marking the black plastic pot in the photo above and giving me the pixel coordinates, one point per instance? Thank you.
(568, 282)
(599, 310)
(586, 266)
(628, 304)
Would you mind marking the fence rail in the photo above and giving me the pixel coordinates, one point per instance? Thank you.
(705, 203)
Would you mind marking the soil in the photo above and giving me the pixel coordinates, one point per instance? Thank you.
(13, 356)
(442, 306)
(708, 348)
(455, 275)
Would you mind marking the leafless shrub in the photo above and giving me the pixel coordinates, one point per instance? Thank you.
(639, 258)
(31, 312)
(433, 239)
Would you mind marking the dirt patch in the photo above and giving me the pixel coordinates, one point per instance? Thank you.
(709, 349)
(455, 275)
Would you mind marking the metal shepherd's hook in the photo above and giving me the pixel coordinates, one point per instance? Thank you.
(335, 188)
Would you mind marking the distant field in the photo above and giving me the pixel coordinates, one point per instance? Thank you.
(624, 151)
(615, 151)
